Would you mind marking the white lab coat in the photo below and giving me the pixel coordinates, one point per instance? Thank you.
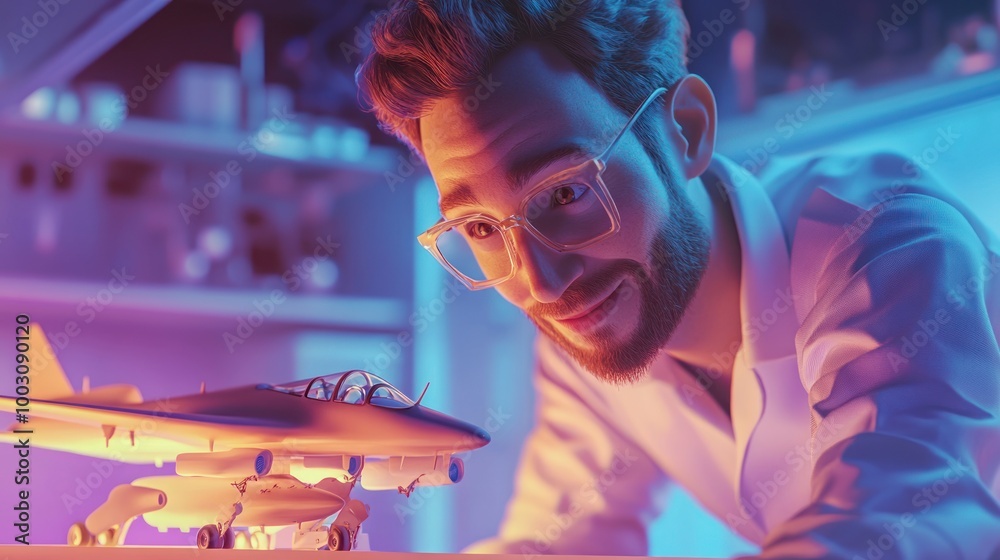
(865, 396)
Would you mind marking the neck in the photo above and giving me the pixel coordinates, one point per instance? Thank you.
(710, 331)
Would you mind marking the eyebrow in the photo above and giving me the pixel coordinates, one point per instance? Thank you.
(517, 175)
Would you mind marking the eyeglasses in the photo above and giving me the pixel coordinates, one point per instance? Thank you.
(568, 211)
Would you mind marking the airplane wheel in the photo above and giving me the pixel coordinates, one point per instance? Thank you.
(106, 537)
(79, 536)
(339, 538)
(208, 537)
(242, 540)
(229, 538)
(456, 470)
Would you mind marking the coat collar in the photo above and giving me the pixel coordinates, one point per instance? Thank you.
(770, 411)
(764, 275)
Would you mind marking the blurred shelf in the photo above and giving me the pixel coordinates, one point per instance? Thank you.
(160, 140)
(189, 304)
(847, 112)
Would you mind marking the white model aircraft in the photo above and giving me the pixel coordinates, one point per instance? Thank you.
(261, 457)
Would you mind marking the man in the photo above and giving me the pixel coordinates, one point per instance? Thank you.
(813, 354)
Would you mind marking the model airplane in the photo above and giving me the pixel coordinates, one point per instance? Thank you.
(261, 456)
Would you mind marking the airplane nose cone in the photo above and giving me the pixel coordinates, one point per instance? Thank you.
(448, 432)
(483, 435)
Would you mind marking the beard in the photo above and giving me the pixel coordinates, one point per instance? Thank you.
(667, 282)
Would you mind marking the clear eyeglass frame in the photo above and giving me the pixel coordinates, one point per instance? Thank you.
(589, 172)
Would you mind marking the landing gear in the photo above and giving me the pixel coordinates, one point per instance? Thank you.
(339, 538)
(107, 537)
(208, 537)
(79, 536)
(220, 534)
(111, 520)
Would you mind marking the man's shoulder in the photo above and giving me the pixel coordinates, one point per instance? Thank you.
(823, 199)
(823, 193)
(837, 200)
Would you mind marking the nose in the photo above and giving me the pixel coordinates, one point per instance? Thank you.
(546, 271)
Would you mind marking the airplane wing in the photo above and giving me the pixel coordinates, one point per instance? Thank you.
(131, 418)
(89, 441)
(114, 422)
(133, 425)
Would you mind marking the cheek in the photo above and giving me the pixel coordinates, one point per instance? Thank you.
(513, 291)
(644, 208)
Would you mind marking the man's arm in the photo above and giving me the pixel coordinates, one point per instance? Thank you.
(582, 486)
(900, 358)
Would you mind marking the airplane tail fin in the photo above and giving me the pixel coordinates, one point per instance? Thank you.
(48, 381)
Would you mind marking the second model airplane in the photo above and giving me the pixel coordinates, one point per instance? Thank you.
(260, 457)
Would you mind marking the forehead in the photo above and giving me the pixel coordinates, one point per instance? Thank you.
(533, 102)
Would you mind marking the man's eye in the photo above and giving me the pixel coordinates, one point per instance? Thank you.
(480, 230)
(565, 194)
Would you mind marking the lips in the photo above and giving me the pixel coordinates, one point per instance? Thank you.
(586, 316)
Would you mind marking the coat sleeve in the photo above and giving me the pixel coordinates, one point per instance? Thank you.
(582, 486)
(900, 358)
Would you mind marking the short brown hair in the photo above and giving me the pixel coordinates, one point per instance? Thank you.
(425, 50)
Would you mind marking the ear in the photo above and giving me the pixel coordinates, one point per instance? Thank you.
(691, 120)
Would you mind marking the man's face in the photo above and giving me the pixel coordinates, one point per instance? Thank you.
(611, 305)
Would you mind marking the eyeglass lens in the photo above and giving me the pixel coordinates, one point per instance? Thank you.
(567, 214)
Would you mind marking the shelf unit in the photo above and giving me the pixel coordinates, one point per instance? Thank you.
(169, 141)
(205, 305)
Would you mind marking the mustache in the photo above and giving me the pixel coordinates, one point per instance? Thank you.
(579, 295)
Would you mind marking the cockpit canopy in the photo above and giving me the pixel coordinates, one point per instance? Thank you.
(351, 387)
